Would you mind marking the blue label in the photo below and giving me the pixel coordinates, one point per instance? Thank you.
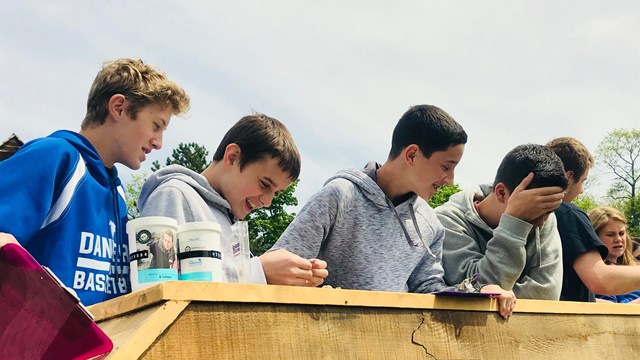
(197, 276)
(155, 275)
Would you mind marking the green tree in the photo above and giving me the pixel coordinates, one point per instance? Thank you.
(619, 152)
(132, 191)
(586, 202)
(267, 224)
(191, 155)
(442, 195)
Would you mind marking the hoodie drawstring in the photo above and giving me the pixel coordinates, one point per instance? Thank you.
(415, 224)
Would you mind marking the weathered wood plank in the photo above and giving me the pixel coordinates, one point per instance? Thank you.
(191, 320)
(132, 334)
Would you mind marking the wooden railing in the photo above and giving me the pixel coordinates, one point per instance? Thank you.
(194, 320)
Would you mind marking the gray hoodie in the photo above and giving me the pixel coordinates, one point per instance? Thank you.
(367, 243)
(513, 255)
(177, 192)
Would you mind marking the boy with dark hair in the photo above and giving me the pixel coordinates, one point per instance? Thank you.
(374, 226)
(256, 159)
(506, 232)
(62, 197)
(585, 272)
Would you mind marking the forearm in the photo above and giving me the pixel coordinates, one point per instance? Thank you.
(529, 288)
(500, 263)
(618, 280)
(543, 277)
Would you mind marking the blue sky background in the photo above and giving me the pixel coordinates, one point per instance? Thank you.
(339, 74)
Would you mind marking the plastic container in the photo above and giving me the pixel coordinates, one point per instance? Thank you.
(237, 264)
(200, 252)
(152, 250)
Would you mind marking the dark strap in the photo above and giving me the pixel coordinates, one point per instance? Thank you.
(200, 254)
(142, 254)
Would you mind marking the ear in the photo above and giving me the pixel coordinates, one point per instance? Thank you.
(231, 155)
(409, 153)
(502, 193)
(117, 106)
(569, 174)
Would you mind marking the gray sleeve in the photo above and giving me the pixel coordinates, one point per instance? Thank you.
(544, 279)
(168, 201)
(309, 229)
(501, 262)
(429, 274)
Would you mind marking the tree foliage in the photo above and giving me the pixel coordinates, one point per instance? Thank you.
(619, 152)
(267, 224)
(586, 202)
(442, 195)
(132, 191)
(191, 155)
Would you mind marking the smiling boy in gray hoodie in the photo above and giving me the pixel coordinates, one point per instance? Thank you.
(256, 159)
(374, 227)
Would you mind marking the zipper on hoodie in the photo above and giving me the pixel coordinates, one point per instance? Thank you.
(117, 238)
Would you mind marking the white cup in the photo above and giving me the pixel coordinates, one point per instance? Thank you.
(200, 252)
(152, 250)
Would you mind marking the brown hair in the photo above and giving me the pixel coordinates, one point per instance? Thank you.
(140, 83)
(574, 155)
(258, 137)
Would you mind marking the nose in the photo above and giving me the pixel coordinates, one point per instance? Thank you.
(448, 179)
(156, 142)
(266, 199)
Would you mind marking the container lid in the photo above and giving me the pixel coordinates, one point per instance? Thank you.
(200, 225)
(151, 221)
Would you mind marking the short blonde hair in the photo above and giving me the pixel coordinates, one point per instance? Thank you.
(600, 217)
(140, 83)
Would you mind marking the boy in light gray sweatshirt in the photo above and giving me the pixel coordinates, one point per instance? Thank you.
(507, 232)
(373, 227)
(256, 158)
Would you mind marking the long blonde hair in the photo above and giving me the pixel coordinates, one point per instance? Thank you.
(600, 217)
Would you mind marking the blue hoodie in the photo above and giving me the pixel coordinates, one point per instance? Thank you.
(69, 212)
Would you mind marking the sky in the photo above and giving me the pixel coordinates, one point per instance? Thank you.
(339, 74)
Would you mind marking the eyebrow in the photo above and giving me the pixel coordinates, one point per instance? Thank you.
(270, 181)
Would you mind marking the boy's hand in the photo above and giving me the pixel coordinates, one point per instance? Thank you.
(319, 271)
(6, 238)
(282, 267)
(530, 204)
(506, 300)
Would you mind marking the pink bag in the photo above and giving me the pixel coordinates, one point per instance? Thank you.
(40, 318)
